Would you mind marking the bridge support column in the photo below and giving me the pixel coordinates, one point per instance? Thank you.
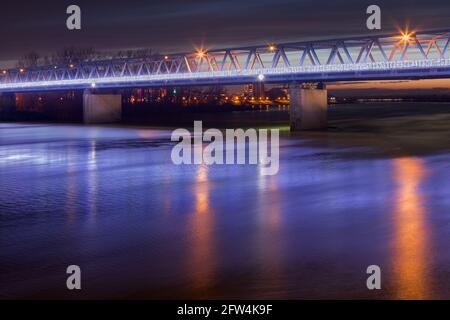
(309, 104)
(7, 105)
(101, 108)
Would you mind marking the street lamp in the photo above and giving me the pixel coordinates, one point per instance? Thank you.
(406, 37)
(201, 53)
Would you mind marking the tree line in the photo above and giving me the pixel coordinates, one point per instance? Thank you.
(75, 55)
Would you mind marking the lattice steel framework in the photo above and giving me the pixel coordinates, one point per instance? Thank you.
(414, 55)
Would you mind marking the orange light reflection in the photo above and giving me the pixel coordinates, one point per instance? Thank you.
(203, 256)
(410, 254)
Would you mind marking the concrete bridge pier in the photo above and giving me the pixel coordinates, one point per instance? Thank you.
(101, 107)
(309, 106)
(7, 105)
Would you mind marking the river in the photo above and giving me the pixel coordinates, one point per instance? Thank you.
(372, 190)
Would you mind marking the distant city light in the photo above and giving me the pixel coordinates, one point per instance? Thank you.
(272, 47)
(261, 77)
(166, 57)
(93, 85)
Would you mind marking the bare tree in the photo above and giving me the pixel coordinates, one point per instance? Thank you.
(76, 55)
(29, 60)
(73, 55)
(136, 53)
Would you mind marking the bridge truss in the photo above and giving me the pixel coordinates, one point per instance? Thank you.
(394, 56)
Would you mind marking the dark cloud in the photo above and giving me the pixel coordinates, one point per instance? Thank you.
(174, 25)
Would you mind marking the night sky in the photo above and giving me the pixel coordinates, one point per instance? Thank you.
(174, 25)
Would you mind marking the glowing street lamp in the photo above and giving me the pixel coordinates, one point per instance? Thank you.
(261, 77)
(406, 36)
(201, 53)
(272, 48)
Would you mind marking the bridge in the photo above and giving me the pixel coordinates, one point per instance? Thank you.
(404, 55)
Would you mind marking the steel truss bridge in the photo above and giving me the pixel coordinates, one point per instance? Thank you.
(418, 55)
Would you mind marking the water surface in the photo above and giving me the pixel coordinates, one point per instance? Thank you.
(110, 200)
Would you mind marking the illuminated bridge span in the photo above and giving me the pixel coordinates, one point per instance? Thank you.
(395, 56)
(306, 66)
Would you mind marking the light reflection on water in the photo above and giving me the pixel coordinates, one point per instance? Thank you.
(111, 200)
(92, 183)
(411, 251)
(71, 193)
(203, 254)
(269, 233)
